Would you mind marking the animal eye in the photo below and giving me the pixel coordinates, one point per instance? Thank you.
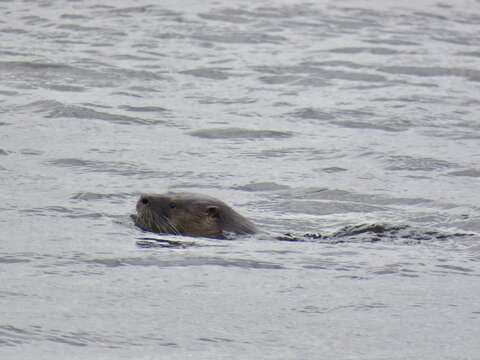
(173, 205)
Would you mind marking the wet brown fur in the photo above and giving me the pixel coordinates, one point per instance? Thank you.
(190, 214)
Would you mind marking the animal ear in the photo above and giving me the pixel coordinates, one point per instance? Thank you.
(213, 211)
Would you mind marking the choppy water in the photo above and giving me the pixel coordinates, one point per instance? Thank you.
(305, 116)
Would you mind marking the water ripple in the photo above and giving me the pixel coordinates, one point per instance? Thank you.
(80, 112)
(403, 163)
(14, 336)
(110, 167)
(238, 133)
(187, 262)
(432, 71)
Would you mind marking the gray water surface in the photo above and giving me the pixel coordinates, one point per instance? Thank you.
(307, 117)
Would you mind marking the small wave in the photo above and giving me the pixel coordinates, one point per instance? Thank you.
(455, 39)
(333, 169)
(186, 262)
(12, 336)
(33, 66)
(78, 112)
(469, 74)
(130, 57)
(170, 36)
(352, 76)
(133, 10)
(10, 30)
(89, 196)
(318, 72)
(54, 211)
(74, 17)
(347, 196)
(216, 340)
(345, 118)
(92, 74)
(226, 101)
(68, 88)
(12, 294)
(8, 92)
(367, 126)
(225, 17)
(12, 260)
(393, 42)
(333, 63)
(280, 79)
(402, 163)
(15, 336)
(375, 233)
(209, 73)
(55, 110)
(31, 152)
(311, 113)
(455, 268)
(240, 38)
(470, 53)
(371, 50)
(110, 167)
(294, 152)
(468, 173)
(154, 109)
(261, 186)
(392, 269)
(37, 72)
(311, 309)
(328, 207)
(77, 27)
(149, 243)
(238, 133)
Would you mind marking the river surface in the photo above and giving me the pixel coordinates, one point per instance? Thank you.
(307, 117)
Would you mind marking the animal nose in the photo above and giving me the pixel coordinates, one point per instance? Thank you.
(144, 201)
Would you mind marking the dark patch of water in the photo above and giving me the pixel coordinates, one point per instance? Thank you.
(239, 133)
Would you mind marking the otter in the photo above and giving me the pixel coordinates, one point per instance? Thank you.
(190, 214)
(197, 215)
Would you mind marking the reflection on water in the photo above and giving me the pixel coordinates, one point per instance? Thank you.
(347, 131)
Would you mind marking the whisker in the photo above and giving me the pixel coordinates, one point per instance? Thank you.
(172, 227)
